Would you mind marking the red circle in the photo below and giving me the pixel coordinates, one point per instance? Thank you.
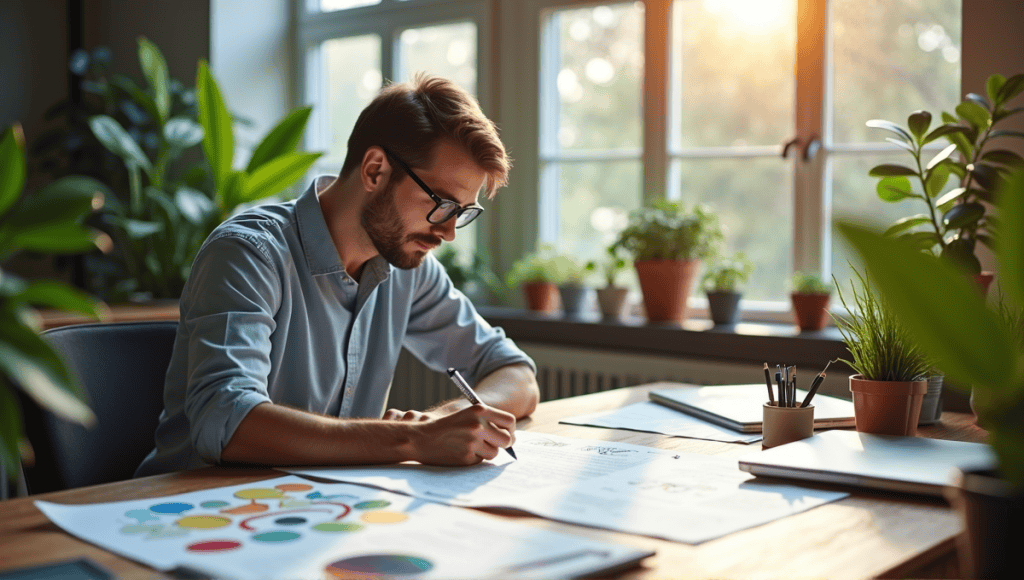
(214, 546)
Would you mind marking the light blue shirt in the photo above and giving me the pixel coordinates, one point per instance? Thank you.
(269, 315)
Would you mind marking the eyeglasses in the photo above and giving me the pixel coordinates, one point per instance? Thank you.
(444, 209)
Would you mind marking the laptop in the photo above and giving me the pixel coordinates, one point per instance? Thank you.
(916, 465)
(739, 407)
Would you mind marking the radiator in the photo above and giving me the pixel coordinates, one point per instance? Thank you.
(566, 372)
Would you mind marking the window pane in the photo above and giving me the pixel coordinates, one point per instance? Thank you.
(595, 204)
(754, 202)
(448, 51)
(854, 196)
(732, 78)
(891, 58)
(352, 78)
(332, 5)
(597, 77)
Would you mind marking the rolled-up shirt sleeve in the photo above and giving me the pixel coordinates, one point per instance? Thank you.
(229, 318)
(445, 330)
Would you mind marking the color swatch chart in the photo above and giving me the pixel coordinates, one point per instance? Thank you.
(290, 527)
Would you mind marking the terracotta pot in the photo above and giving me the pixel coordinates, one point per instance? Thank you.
(887, 407)
(984, 280)
(666, 285)
(612, 300)
(541, 296)
(810, 310)
(991, 512)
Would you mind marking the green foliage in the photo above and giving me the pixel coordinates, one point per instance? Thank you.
(664, 231)
(51, 220)
(612, 265)
(726, 274)
(810, 283)
(973, 343)
(545, 265)
(956, 221)
(881, 346)
(478, 275)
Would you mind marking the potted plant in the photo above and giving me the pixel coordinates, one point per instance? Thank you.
(50, 221)
(612, 298)
(539, 275)
(889, 385)
(721, 284)
(810, 296)
(667, 244)
(973, 343)
(476, 279)
(957, 220)
(572, 288)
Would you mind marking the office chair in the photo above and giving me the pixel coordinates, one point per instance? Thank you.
(121, 368)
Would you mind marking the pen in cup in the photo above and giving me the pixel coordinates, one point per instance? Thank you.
(768, 381)
(815, 384)
(467, 392)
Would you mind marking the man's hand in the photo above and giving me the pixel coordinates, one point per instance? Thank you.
(399, 415)
(465, 437)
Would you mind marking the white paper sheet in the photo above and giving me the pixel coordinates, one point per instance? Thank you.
(678, 496)
(294, 528)
(650, 417)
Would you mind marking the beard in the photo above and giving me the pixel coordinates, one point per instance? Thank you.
(383, 225)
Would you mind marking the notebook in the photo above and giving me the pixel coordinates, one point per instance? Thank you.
(909, 464)
(739, 407)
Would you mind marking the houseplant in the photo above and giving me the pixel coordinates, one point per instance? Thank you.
(721, 284)
(539, 275)
(810, 297)
(50, 221)
(974, 345)
(475, 279)
(889, 385)
(573, 290)
(956, 221)
(667, 244)
(612, 298)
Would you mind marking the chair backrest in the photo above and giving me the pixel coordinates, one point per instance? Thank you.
(121, 367)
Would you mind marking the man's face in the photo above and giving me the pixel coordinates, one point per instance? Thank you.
(395, 218)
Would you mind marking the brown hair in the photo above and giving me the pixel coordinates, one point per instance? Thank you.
(410, 118)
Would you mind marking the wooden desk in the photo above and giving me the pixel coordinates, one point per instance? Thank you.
(865, 535)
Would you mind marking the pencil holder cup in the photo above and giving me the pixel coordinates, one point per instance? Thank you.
(785, 424)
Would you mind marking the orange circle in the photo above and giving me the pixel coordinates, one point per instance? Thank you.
(294, 487)
(384, 517)
(203, 522)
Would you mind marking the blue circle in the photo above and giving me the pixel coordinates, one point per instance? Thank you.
(171, 508)
(290, 521)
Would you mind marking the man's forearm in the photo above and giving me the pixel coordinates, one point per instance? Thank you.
(511, 388)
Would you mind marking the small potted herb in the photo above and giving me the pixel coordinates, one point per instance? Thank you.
(612, 298)
(810, 296)
(572, 287)
(667, 244)
(890, 383)
(476, 279)
(721, 284)
(539, 275)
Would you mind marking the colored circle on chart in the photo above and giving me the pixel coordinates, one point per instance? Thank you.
(203, 522)
(277, 536)
(214, 504)
(337, 527)
(314, 495)
(290, 521)
(384, 517)
(378, 566)
(142, 515)
(249, 508)
(294, 487)
(211, 546)
(372, 504)
(259, 493)
(170, 508)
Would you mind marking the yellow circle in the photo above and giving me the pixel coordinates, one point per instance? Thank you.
(258, 493)
(382, 517)
(203, 522)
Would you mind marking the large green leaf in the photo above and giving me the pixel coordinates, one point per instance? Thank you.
(941, 156)
(992, 86)
(946, 129)
(1010, 242)
(891, 127)
(936, 179)
(1011, 88)
(1006, 133)
(893, 189)
(272, 177)
(193, 205)
(973, 113)
(891, 170)
(48, 294)
(12, 166)
(918, 122)
(907, 223)
(137, 229)
(113, 136)
(218, 140)
(941, 307)
(37, 370)
(1004, 113)
(155, 68)
(140, 97)
(182, 133)
(1003, 157)
(950, 196)
(963, 214)
(56, 238)
(283, 138)
(69, 199)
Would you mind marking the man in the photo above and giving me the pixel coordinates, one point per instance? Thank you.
(294, 314)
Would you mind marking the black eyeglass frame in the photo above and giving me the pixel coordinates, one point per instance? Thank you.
(472, 211)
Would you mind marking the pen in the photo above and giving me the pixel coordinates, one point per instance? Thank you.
(792, 388)
(768, 381)
(815, 384)
(782, 390)
(471, 397)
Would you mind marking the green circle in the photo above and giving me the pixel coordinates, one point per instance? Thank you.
(336, 527)
(214, 503)
(372, 504)
(276, 536)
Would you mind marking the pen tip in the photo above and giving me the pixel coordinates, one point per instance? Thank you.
(512, 453)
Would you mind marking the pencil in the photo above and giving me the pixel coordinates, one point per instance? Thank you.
(768, 382)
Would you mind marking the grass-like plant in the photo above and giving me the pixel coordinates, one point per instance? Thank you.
(881, 346)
